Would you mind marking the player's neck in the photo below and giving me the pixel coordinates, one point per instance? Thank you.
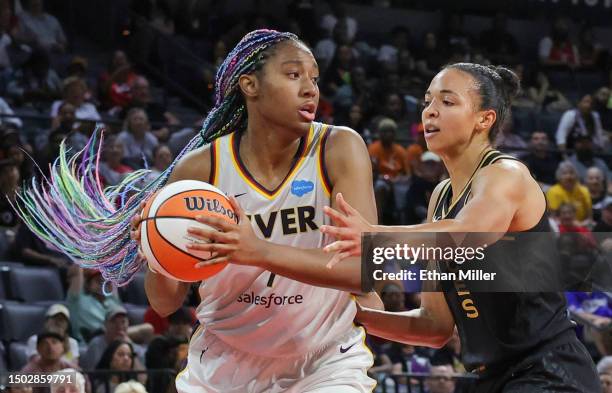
(267, 147)
(461, 166)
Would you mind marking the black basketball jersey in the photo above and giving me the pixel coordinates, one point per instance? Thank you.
(498, 328)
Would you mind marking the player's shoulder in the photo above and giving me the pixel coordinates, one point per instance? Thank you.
(194, 165)
(342, 134)
(506, 172)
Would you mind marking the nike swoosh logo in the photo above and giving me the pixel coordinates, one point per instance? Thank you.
(343, 350)
(239, 195)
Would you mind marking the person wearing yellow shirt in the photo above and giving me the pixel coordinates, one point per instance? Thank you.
(569, 190)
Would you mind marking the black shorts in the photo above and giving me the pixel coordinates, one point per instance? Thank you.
(567, 368)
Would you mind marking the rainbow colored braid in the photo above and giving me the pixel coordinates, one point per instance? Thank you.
(72, 212)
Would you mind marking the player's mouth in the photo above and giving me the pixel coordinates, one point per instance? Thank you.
(431, 129)
(308, 111)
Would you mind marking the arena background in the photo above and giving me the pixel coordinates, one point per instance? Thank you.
(72, 63)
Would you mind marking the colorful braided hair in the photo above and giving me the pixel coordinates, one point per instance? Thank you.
(72, 212)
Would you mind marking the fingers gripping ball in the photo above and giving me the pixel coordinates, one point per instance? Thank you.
(166, 218)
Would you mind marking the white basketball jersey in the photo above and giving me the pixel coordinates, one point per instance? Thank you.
(250, 308)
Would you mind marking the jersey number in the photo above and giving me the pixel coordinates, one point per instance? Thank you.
(271, 279)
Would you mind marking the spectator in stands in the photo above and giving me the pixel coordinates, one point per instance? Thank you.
(36, 83)
(389, 162)
(5, 109)
(568, 223)
(116, 82)
(119, 357)
(595, 181)
(339, 71)
(131, 387)
(425, 178)
(356, 121)
(453, 33)
(392, 296)
(116, 325)
(602, 104)
(87, 303)
(583, 157)
(111, 167)
(57, 319)
(29, 249)
(160, 324)
(169, 351)
(64, 125)
(7, 40)
(399, 41)
(326, 48)
(589, 51)
(557, 49)
(178, 140)
(450, 353)
(441, 379)
(162, 158)
(76, 384)
(604, 366)
(406, 360)
(10, 179)
(569, 190)
(41, 29)
(74, 91)
(580, 122)
(431, 57)
(508, 141)
(545, 96)
(499, 44)
(50, 348)
(395, 108)
(540, 160)
(339, 14)
(357, 92)
(137, 139)
(606, 382)
(595, 310)
(605, 222)
(158, 114)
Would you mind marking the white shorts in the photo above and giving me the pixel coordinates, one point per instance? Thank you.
(215, 367)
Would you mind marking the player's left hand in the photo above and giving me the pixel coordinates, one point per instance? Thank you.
(229, 242)
(349, 225)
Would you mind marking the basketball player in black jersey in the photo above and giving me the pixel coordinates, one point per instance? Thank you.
(517, 342)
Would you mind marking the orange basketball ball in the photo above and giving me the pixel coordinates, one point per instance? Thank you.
(167, 216)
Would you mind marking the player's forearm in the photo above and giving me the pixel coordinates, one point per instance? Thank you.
(310, 266)
(414, 327)
(165, 295)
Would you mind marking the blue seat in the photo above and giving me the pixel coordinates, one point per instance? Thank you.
(134, 292)
(31, 284)
(19, 321)
(17, 356)
(3, 363)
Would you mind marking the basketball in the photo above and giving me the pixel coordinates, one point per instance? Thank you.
(167, 216)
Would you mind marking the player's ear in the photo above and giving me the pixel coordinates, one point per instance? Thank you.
(249, 85)
(486, 119)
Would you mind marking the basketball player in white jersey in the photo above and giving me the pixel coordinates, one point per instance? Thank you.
(275, 319)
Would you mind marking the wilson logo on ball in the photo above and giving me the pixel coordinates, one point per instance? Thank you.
(212, 205)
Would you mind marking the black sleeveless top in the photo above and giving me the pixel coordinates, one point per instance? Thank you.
(499, 328)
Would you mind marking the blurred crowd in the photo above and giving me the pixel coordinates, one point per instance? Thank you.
(373, 83)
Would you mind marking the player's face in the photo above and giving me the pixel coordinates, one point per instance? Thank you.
(288, 94)
(450, 111)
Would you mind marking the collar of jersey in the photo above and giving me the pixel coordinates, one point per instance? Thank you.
(250, 180)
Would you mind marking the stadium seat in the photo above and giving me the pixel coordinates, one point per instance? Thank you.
(19, 321)
(134, 292)
(17, 356)
(5, 269)
(31, 284)
(3, 363)
(2, 290)
(136, 313)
